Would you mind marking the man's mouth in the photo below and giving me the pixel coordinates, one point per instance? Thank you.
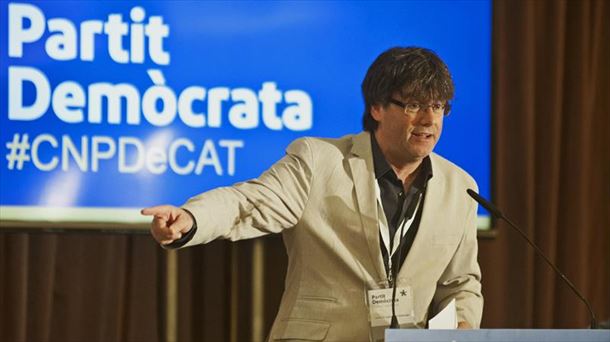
(422, 135)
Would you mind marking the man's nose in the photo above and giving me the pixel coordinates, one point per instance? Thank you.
(425, 116)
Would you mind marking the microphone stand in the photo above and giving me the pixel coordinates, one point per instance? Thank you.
(498, 214)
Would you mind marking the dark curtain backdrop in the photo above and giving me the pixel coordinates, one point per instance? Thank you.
(551, 74)
(552, 177)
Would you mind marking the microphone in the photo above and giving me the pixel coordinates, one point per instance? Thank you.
(410, 211)
(498, 214)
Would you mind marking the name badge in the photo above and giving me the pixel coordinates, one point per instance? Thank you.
(380, 306)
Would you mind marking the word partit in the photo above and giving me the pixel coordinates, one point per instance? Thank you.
(65, 42)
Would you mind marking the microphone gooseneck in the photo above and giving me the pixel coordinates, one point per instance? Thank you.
(498, 214)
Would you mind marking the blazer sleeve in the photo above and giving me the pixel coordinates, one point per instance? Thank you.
(268, 204)
(462, 277)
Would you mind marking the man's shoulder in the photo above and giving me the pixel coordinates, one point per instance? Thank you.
(326, 147)
(450, 170)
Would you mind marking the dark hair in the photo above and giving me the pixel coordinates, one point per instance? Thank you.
(415, 73)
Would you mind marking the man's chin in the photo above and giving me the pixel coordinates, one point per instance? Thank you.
(420, 153)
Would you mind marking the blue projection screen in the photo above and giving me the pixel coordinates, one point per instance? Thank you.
(111, 106)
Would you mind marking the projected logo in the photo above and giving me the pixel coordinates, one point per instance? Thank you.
(125, 104)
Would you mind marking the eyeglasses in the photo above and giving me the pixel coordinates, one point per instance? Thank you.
(412, 108)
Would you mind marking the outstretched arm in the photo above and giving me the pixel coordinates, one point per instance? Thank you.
(272, 202)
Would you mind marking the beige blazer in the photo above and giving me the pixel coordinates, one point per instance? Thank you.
(321, 197)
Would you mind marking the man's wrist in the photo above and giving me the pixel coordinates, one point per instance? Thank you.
(186, 237)
(464, 325)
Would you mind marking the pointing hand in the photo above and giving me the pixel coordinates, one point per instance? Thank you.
(169, 223)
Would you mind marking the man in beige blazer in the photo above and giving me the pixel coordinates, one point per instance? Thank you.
(330, 202)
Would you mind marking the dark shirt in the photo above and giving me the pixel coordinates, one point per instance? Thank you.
(397, 203)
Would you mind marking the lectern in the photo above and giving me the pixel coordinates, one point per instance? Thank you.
(492, 335)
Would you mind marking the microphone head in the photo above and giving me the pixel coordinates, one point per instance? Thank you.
(487, 205)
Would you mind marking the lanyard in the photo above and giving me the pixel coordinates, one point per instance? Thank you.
(403, 227)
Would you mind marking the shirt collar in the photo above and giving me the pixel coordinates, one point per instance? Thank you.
(379, 162)
(382, 167)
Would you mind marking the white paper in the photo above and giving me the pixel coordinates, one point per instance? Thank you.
(446, 319)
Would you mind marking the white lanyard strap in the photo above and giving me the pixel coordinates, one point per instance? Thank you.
(383, 225)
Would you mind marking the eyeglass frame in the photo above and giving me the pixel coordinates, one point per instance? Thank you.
(444, 106)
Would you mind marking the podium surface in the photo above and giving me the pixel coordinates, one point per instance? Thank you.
(491, 335)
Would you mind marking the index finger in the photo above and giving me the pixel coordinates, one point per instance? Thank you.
(160, 210)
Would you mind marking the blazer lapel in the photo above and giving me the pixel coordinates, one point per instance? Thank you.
(363, 175)
(431, 221)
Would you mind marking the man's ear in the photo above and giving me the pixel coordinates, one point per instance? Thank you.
(377, 112)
